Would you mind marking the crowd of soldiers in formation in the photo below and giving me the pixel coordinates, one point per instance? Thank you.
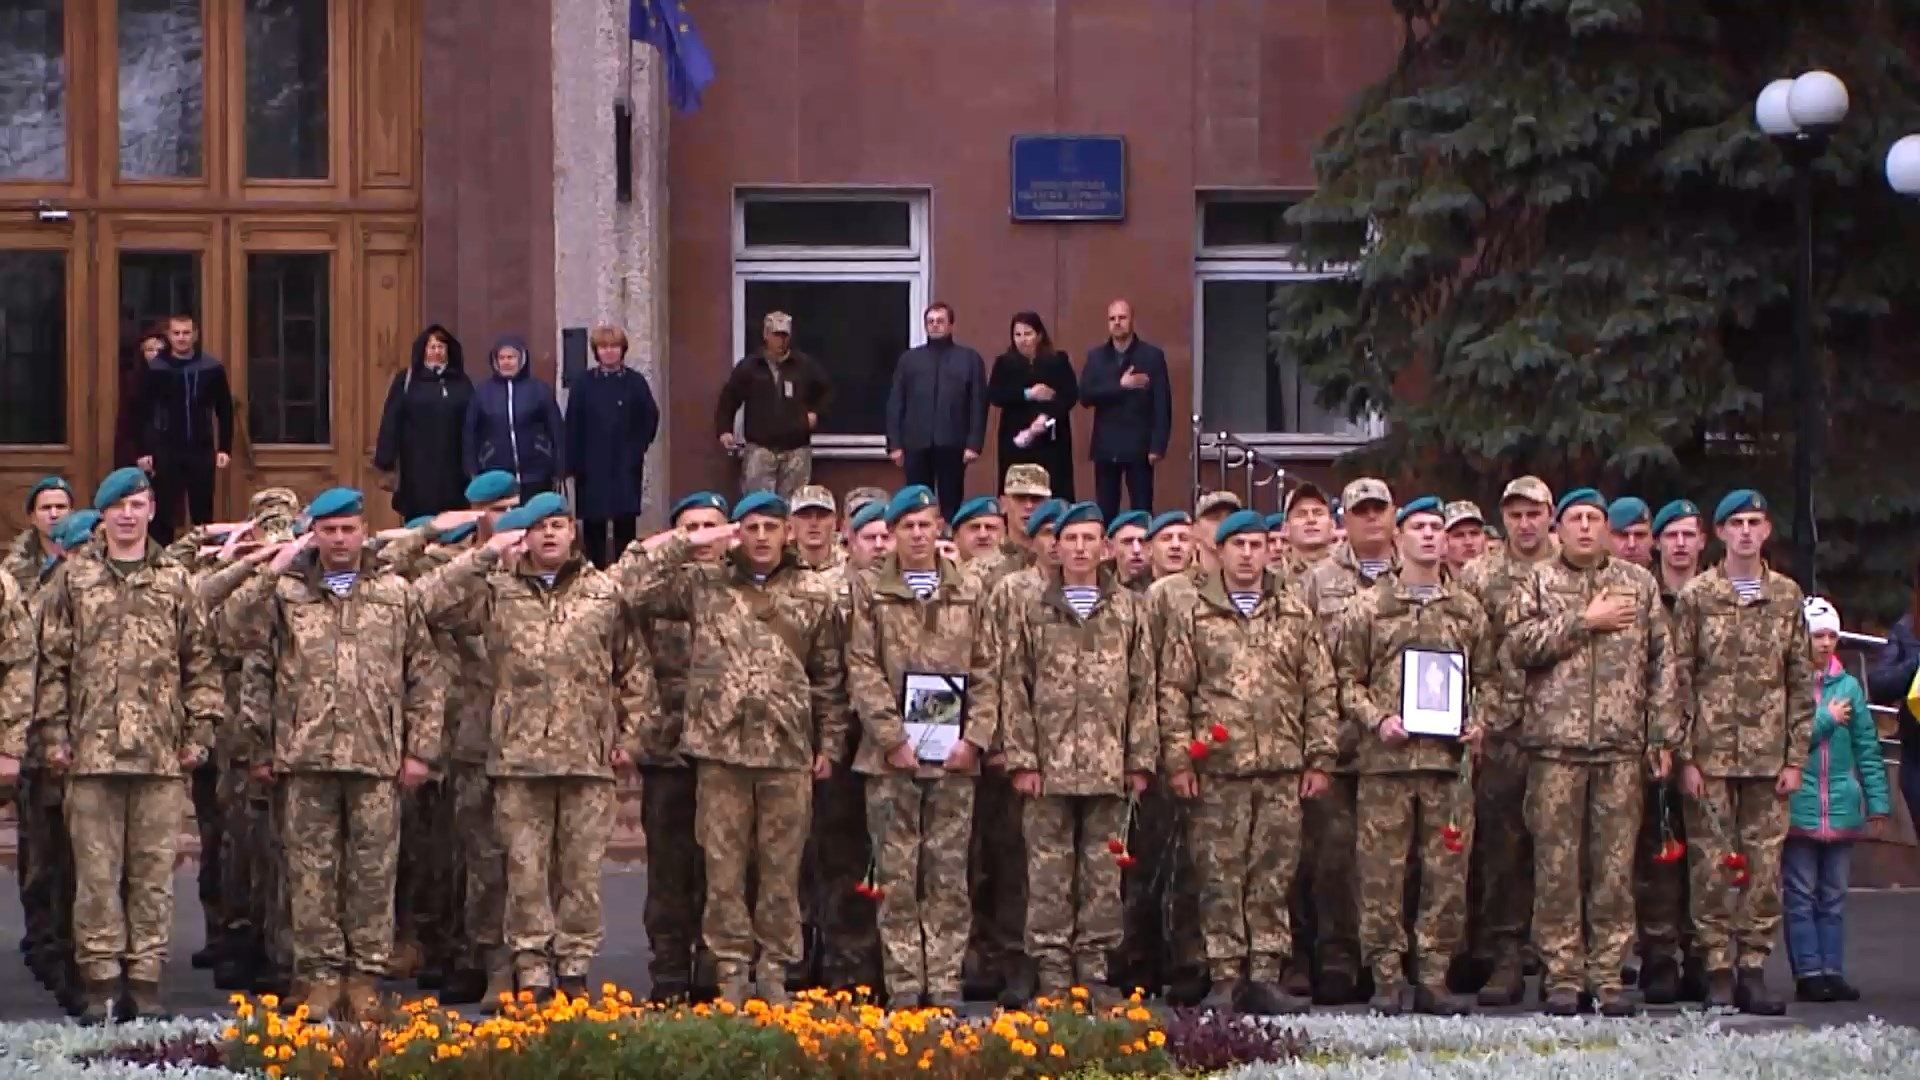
(1181, 761)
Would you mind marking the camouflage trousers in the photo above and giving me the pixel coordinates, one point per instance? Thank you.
(483, 866)
(752, 820)
(251, 882)
(920, 830)
(1660, 889)
(676, 878)
(997, 878)
(849, 933)
(780, 471)
(341, 835)
(204, 787)
(124, 831)
(1398, 813)
(1502, 857)
(44, 863)
(424, 892)
(1584, 817)
(1073, 894)
(1245, 836)
(1161, 943)
(555, 831)
(1743, 815)
(1330, 839)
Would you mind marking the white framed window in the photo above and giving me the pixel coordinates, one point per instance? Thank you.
(1246, 258)
(851, 266)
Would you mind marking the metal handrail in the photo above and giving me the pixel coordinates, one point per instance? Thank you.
(1232, 452)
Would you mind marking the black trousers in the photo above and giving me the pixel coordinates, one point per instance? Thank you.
(942, 468)
(188, 477)
(593, 538)
(1106, 486)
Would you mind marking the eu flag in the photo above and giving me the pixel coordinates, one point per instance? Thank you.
(665, 25)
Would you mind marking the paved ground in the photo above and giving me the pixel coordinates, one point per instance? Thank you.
(1882, 957)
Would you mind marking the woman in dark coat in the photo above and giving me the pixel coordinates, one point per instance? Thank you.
(514, 423)
(1034, 388)
(1890, 674)
(422, 426)
(611, 421)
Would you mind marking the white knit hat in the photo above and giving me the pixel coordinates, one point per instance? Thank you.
(1821, 615)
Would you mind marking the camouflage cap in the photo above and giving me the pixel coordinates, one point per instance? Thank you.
(273, 501)
(1028, 480)
(1459, 512)
(861, 496)
(1214, 501)
(1531, 488)
(777, 322)
(1365, 490)
(1305, 490)
(813, 497)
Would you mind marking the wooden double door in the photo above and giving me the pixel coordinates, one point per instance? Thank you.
(251, 163)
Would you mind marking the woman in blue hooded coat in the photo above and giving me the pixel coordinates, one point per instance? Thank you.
(513, 423)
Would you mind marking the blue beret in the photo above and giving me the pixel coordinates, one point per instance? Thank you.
(47, 483)
(458, 533)
(1079, 513)
(1672, 512)
(1276, 522)
(532, 512)
(1171, 517)
(1739, 502)
(1043, 516)
(336, 502)
(760, 502)
(1240, 521)
(1627, 511)
(74, 529)
(119, 484)
(1131, 517)
(908, 500)
(699, 500)
(420, 522)
(492, 486)
(868, 513)
(978, 506)
(1425, 504)
(1579, 497)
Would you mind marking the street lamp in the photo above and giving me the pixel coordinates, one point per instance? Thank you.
(1800, 114)
(1903, 166)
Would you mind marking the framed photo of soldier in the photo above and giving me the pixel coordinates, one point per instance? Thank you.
(933, 705)
(1433, 692)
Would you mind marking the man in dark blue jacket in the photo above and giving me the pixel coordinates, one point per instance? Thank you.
(1125, 384)
(513, 423)
(937, 411)
(183, 428)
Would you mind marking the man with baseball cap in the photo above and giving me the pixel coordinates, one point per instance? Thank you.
(1466, 534)
(1309, 522)
(781, 393)
(813, 518)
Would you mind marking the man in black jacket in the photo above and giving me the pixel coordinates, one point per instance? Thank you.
(183, 424)
(783, 393)
(937, 411)
(1125, 384)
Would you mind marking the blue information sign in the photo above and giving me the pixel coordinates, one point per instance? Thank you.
(1069, 178)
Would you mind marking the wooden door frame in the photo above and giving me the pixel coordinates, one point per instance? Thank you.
(78, 457)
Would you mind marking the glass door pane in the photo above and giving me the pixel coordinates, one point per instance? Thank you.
(286, 89)
(289, 348)
(162, 60)
(33, 348)
(33, 90)
(154, 286)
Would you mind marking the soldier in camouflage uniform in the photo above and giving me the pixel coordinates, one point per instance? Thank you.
(1748, 692)
(127, 699)
(1410, 791)
(572, 683)
(1589, 632)
(1466, 534)
(1126, 550)
(1501, 878)
(1331, 837)
(676, 875)
(1630, 531)
(357, 715)
(1077, 719)
(916, 613)
(32, 554)
(815, 536)
(765, 718)
(1248, 728)
(979, 528)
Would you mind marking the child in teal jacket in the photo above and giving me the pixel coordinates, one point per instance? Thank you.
(1842, 788)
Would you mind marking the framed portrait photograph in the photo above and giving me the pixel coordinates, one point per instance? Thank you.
(1433, 692)
(933, 706)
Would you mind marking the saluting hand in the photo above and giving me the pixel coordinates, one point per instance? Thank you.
(713, 534)
(288, 552)
(448, 519)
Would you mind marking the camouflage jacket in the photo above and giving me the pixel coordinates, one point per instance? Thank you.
(126, 680)
(357, 683)
(1077, 694)
(1170, 593)
(572, 681)
(1747, 683)
(26, 562)
(463, 656)
(18, 644)
(1006, 588)
(1266, 677)
(1378, 626)
(891, 632)
(766, 688)
(1491, 579)
(1590, 695)
(1329, 585)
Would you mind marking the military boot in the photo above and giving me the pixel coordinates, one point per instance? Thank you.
(1616, 1004)
(321, 997)
(1389, 998)
(574, 986)
(499, 991)
(1506, 985)
(464, 986)
(1750, 994)
(1019, 990)
(101, 994)
(1224, 997)
(1439, 1001)
(145, 997)
(771, 986)
(1265, 998)
(1720, 989)
(363, 999)
(1693, 980)
(1660, 981)
(1562, 1003)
